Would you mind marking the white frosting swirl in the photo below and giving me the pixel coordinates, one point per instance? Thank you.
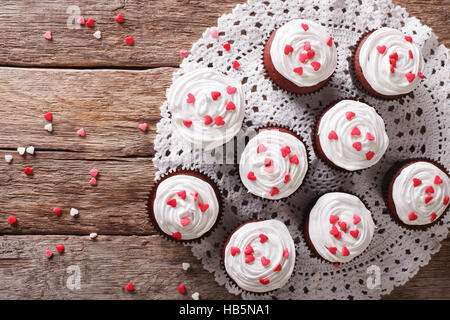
(347, 208)
(376, 66)
(263, 157)
(410, 196)
(343, 151)
(294, 35)
(198, 87)
(279, 249)
(170, 218)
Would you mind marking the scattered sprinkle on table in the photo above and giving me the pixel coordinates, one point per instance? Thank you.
(129, 40)
(93, 236)
(8, 158)
(97, 34)
(119, 18)
(48, 116)
(81, 132)
(60, 248)
(12, 220)
(196, 296)
(129, 287)
(90, 22)
(57, 211)
(181, 288)
(48, 127)
(30, 150)
(48, 254)
(184, 53)
(48, 35)
(93, 172)
(81, 20)
(185, 266)
(143, 126)
(28, 171)
(73, 212)
(21, 150)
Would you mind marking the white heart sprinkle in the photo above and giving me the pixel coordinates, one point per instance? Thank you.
(195, 296)
(73, 212)
(49, 127)
(97, 34)
(185, 265)
(21, 150)
(8, 158)
(93, 235)
(30, 150)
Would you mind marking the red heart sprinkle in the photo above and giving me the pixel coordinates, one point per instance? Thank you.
(288, 49)
(12, 219)
(428, 199)
(231, 90)
(357, 146)
(90, 22)
(416, 182)
(408, 38)
(215, 95)
(129, 287)
(410, 76)
(236, 64)
(264, 281)
(287, 177)
(393, 56)
(143, 126)
(305, 26)
(119, 18)
(433, 216)
(261, 148)
(437, 180)
(129, 40)
(230, 106)
(356, 219)
(429, 189)
(203, 206)
(93, 181)
(446, 199)
(286, 253)
(285, 151)
(187, 123)
(298, 71)
(277, 268)
(172, 203)
(48, 116)
(28, 170)
(208, 120)
(332, 250)
(412, 216)
(369, 136)
(176, 235)
(251, 176)
(369, 155)
(354, 233)
(185, 221)
(57, 211)
(274, 191)
(249, 258)
(332, 135)
(48, 254)
(333, 219)
(93, 172)
(307, 46)
(343, 226)
(393, 63)
(218, 121)
(315, 65)
(345, 251)
(182, 194)
(392, 70)
(234, 251)
(248, 250)
(381, 49)
(334, 231)
(330, 41)
(310, 54)
(190, 98)
(303, 57)
(181, 288)
(349, 115)
(294, 159)
(410, 54)
(421, 75)
(263, 238)
(264, 261)
(227, 46)
(355, 132)
(81, 132)
(60, 248)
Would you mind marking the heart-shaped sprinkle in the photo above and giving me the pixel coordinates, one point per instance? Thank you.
(277, 268)
(355, 131)
(429, 189)
(267, 162)
(410, 76)
(433, 216)
(119, 18)
(305, 26)
(218, 121)
(172, 203)
(307, 46)
(393, 63)
(251, 176)
(182, 194)
(334, 231)
(81, 20)
(288, 49)
(345, 251)
(369, 155)
(330, 41)
(336, 265)
(408, 38)
(264, 281)
(184, 53)
(176, 235)
(143, 126)
(190, 98)
(57, 211)
(187, 123)
(310, 54)
(357, 146)
(215, 95)
(332, 250)
(21, 150)
(81, 132)
(269, 169)
(286, 253)
(315, 65)
(12, 220)
(208, 120)
(249, 258)
(195, 195)
(203, 206)
(263, 238)
(369, 136)
(437, 180)
(231, 90)
(90, 22)
(410, 54)
(236, 64)
(343, 226)
(73, 212)
(181, 288)
(48, 35)
(185, 221)
(294, 159)
(48, 127)
(28, 171)
(264, 261)
(227, 46)
(30, 150)
(274, 191)
(428, 199)
(287, 177)
(285, 151)
(381, 49)
(356, 219)
(349, 115)
(332, 135)
(261, 148)
(129, 40)
(298, 70)
(234, 251)
(354, 233)
(93, 181)
(185, 266)
(215, 33)
(129, 287)
(195, 296)
(446, 199)
(333, 219)
(230, 106)
(93, 172)
(8, 158)
(48, 116)
(97, 34)
(60, 248)
(412, 216)
(248, 250)
(93, 236)
(48, 254)
(416, 182)
(303, 57)
(393, 56)
(421, 75)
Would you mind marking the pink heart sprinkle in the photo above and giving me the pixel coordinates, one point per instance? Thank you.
(357, 146)
(230, 106)
(303, 57)
(381, 49)
(143, 126)
(215, 33)
(184, 53)
(265, 261)
(315, 65)
(93, 181)
(185, 221)
(349, 115)
(261, 148)
(288, 49)
(307, 46)
(94, 172)
(355, 131)
(48, 254)
(332, 135)
(369, 136)
(305, 26)
(190, 98)
(81, 132)
(231, 90)
(81, 20)
(48, 35)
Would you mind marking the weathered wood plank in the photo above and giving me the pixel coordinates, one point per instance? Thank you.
(106, 266)
(160, 29)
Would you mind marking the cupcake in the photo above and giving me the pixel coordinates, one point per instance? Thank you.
(300, 56)
(259, 256)
(339, 227)
(388, 64)
(350, 136)
(185, 205)
(418, 193)
(207, 107)
(274, 163)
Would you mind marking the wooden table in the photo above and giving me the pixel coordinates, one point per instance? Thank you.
(108, 88)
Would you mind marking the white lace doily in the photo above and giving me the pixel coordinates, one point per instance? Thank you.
(418, 126)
